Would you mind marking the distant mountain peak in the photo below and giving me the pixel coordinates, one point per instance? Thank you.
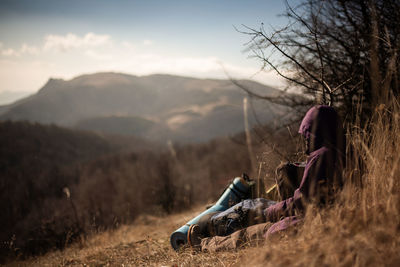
(54, 81)
(192, 108)
(52, 84)
(102, 79)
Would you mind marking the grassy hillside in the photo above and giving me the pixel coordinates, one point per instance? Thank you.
(36, 163)
(66, 185)
(361, 229)
(146, 243)
(133, 126)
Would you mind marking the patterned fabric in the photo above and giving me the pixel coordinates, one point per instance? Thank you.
(239, 216)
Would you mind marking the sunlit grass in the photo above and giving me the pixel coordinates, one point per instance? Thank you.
(361, 229)
(363, 226)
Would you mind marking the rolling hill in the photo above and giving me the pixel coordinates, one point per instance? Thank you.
(158, 107)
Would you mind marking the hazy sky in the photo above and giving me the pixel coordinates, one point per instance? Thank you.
(40, 39)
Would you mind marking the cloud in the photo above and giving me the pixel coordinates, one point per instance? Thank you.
(27, 49)
(98, 56)
(9, 52)
(201, 67)
(69, 55)
(24, 50)
(151, 63)
(61, 43)
(71, 41)
(128, 46)
(148, 42)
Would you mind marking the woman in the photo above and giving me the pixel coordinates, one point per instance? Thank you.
(322, 178)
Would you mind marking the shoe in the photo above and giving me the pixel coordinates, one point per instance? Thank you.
(194, 236)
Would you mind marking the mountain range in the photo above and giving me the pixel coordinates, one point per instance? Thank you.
(157, 107)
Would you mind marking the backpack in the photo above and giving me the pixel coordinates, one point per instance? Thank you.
(288, 177)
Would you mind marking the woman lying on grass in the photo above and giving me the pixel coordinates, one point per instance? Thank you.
(250, 221)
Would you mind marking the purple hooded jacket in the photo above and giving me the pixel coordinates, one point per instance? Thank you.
(322, 129)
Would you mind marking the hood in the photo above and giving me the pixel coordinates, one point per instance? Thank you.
(321, 126)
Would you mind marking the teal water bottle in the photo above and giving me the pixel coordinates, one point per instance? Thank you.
(238, 190)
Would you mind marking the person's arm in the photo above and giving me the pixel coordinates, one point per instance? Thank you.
(284, 208)
(314, 173)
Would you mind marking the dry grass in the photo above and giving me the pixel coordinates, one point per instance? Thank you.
(144, 244)
(361, 229)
